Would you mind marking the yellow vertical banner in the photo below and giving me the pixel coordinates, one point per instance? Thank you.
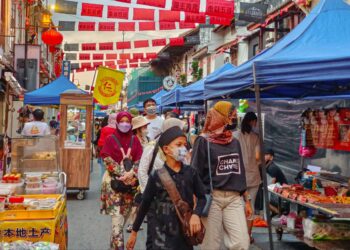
(108, 85)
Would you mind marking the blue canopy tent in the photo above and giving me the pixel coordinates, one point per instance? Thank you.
(195, 92)
(157, 97)
(171, 97)
(312, 60)
(50, 94)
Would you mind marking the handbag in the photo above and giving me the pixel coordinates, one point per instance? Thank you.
(182, 208)
(117, 185)
(208, 197)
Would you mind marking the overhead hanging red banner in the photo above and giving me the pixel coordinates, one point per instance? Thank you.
(155, 3)
(86, 26)
(169, 15)
(145, 60)
(183, 25)
(141, 44)
(178, 41)
(186, 5)
(85, 65)
(125, 56)
(79, 70)
(133, 60)
(106, 26)
(88, 46)
(220, 8)
(145, 26)
(220, 20)
(167, 26)
(98, 57)
(123, 1)
(84, 56)
(158, 42)
(195, 17)
(109, 63)
(133, 65)
(118, 12)
(123, 45)
(111, 56)
(137, 55)
(122, 61)
(122, 66)
(151, 55)
(143, 14)
(126, 26)
(106, 46)
(97, 64)
(90, 9)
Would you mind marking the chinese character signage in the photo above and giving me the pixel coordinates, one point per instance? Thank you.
(252, 12)
(66, 69)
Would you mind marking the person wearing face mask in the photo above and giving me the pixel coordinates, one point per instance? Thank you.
(155, 122)
(250, 145)
(217, 156)
(165, 227)
(121, 154)
(140, 128)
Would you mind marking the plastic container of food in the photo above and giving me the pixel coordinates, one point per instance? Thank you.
(34, 190)
(2, 204)
(50, 188)
(33, 177)
(33, 184)
(17, 188)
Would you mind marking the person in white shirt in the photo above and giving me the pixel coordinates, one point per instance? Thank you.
(155, 122)
(36, 127)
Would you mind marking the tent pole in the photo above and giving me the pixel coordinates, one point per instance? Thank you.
(262, 158)
(93, 81)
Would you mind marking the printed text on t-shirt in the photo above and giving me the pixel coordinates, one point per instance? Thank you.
(228, 164)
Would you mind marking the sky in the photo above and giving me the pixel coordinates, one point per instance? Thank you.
(96, 37)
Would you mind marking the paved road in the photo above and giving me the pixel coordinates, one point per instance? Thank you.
(88, 230)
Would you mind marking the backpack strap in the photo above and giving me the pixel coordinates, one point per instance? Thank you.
(121, 147)
(154, 155)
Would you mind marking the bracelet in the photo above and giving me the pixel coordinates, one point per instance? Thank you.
(247, 198)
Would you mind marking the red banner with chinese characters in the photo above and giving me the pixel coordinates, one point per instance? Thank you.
(220, 8)
(97, 64)
(137, 56)
(106, 26)
(98, 56)
(145, 60)
(195, 17)
(125, 56)
(154, 3)
(143, 14)
(158, 42)
(122, 61)
(178, 41)
(147, 26)
(88, 46)
(126, 26)
(105, 46)
(186, 5)
(123, 1)
(151, 55)
(86, 26)
(109, 63)
(111, 56)
(84, 56)
(133, 61)
(183, 25)
(122, 66)
(220, 20)
(167, 26)
(85, 65)
(123, 45)
(90, 9)
(169, 15)
(118, 12)
(133, 65)
(141, 44)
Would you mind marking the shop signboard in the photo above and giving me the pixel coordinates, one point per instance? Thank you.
(252, 12)
(66, 68)
(192, 40)
(66, 26)
(66, 7)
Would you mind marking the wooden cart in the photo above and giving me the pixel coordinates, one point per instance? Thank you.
(75, 140)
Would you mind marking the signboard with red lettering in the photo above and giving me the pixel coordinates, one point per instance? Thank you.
(90, 9)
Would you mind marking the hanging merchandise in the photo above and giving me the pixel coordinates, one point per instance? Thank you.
(143, 14)
(118, 12)
(94, 10)
(106, 26)
(52, 37)
(126, 26)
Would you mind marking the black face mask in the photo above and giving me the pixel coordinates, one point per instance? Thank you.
(232, 126)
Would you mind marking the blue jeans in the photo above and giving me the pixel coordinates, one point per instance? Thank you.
(102, 167)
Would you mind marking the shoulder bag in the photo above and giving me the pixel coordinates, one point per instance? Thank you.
(208, 197)
(183, 210)
(117, 185)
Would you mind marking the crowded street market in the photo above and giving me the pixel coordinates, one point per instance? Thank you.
(175, 124)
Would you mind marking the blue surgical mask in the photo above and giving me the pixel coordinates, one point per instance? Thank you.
(151, 110)
(179, 154)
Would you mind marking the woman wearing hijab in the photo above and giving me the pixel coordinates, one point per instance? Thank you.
(165, 227)
(249, 141)
(120, 150)
(226, 217)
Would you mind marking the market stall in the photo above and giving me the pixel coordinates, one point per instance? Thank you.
(75, 140)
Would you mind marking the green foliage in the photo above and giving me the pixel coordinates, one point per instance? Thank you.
(183, 79)
(197, 72)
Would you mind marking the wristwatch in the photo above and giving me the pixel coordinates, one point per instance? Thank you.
(247, 198)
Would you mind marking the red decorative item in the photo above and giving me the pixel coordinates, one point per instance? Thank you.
(183, 25)
(84, 56)
(133, 65)
(126, 26)
(118, 12)
(167, 26)
(52, 37)
(123, 66)
(106, 26)
(141, 44)
(133, 61)
(123, 1)
(123, 45)
(137, 56)
(125, 56)
(186, 5)
(111, 56)
(143, 14)
(195, 17)
(220, 20)
(97, 56)
(106, 46)
(121, 61)
(85, 65)
(146, 26)
(97, 64)
(220, 8)
(151, 55)
(52, 49)
(158, 42)
(88, 46)
(90, 9)
(178, 41)
(154, 3)
(169, 16)
(86, 26)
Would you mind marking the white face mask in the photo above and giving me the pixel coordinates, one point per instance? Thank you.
(180, 154)
(144, 133)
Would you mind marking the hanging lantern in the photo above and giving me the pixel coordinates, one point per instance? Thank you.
(46, 19)
(52, 37)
